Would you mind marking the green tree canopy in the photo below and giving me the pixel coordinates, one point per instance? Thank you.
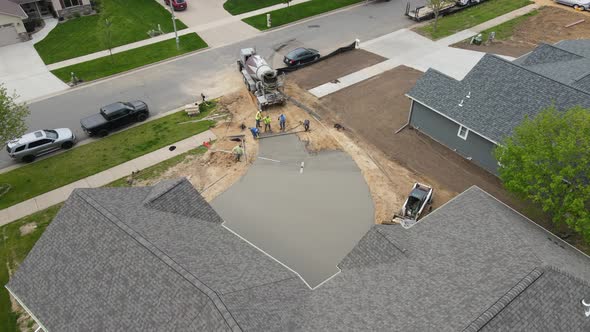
(12, 116)
(547, 161)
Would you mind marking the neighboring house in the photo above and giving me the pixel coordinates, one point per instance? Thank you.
(158, 259)
(475, 114)
(16, 14)
(12, 28)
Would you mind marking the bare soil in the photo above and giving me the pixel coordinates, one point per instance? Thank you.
(215, 171)
(371, 113)
(332, 68)
(373, 110)
(27, 228)
(546, 27)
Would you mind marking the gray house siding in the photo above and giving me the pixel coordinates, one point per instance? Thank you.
(445, 132)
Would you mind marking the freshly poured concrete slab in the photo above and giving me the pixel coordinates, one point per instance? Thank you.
(307, 220)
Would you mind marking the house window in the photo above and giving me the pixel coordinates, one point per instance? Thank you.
(70, 3)
(463, 132)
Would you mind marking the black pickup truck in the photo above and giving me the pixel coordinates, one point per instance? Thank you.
(114, 116)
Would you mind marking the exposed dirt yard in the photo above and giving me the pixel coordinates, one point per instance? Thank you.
(332, 68)
(548, 26)
(373, 110)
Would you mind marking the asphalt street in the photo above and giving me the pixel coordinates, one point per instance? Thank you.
(214, 72)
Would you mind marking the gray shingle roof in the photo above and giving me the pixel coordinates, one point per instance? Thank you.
(501, 93)
(109, 262)
(565, 62)
(458, 262)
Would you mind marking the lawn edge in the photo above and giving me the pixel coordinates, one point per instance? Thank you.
(330, 12)
(176, 57)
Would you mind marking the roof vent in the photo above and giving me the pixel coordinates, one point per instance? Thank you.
(586, 308)
(468, 95)
(461, 103)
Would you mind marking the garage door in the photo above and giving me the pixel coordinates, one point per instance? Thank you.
(8, 35)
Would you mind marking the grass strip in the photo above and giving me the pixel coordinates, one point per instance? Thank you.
(124, 61)
(131, 20)
(158, 169)
(14, 247)
(45, 175)
(236, 7)
(471, 17)
(297, 12)
(506, 30)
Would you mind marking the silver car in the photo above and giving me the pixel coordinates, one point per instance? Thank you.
(40, 142)
(577, 4)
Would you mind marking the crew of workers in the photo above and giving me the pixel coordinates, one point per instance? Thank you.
(267, 124)
(238, 151)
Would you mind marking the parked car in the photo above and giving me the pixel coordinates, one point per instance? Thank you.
(114, 116)
(301, 55)
(35, 144)
(577, 4)
(178, 5)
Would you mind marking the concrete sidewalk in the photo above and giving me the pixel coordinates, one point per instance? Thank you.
(59, 195)
(405, 47)
(216, 33)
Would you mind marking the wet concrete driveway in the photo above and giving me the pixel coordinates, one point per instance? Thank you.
(308, 220)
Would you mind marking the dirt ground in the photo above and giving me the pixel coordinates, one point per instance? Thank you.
(27, 228)
(333, 68)
(373, 110)
(546, 27)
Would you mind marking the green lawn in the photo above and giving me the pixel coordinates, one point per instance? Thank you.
(45, 175)
(471, 17)
(14, 247)
(131, 20)
(128, 60)
(156, 170)
(236, 7)
(506, 29)
(297, 12)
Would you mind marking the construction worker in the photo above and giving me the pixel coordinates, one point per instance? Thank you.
(255, 132)
(282, 121)
(238, 152)
(306, 124)
(258, 118)
(267, 122)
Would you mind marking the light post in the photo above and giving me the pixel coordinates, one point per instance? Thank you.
(174, 24)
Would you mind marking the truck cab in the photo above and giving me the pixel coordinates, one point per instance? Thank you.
(114, 116)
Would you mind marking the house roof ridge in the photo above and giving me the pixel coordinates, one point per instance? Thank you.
(171, 185)
(504, 300)
(487, 55)
(561, 42)
(155, 251)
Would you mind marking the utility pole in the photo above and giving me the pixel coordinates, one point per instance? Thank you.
(174, 24)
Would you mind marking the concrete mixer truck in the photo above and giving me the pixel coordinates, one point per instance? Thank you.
(260, 79)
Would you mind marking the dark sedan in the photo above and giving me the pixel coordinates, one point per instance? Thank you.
(301, 55)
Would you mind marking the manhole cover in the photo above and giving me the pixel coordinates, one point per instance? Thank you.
(313, 26)
(172, 148)
(4, 188)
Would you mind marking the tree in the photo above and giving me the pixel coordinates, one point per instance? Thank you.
(12, 116)
(547, 161)
(437, 6)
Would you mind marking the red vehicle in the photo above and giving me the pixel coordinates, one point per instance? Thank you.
(177, 4)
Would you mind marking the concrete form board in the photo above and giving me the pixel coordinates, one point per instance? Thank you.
(299, 218)
(445, 132)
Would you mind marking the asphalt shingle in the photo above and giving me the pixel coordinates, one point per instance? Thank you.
(498, 94)
(109, 262)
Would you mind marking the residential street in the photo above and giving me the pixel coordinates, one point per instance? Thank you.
(176, 83)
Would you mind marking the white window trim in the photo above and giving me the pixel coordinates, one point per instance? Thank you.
(466, 132)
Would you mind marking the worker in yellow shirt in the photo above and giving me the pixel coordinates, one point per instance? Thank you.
(258, 118)
(267, 123)
(238, 152)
